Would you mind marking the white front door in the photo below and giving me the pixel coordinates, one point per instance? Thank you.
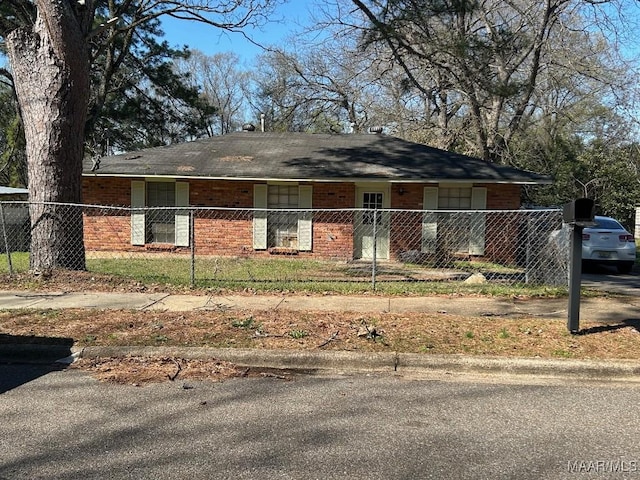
(371, 237)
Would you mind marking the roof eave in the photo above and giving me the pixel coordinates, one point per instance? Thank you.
(328, 179)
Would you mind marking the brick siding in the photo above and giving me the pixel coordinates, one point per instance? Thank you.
(231, 232)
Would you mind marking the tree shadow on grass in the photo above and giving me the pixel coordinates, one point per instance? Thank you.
(25, 358)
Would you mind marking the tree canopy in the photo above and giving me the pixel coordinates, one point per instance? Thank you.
(53, 47)
(544, 86)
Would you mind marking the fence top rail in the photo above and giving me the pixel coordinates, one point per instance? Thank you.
(297, 210)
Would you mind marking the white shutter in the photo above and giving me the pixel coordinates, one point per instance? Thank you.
(477, 228)
(305, 223)
(182, 216)
(137, 212)
(260, 217)
(429, 219)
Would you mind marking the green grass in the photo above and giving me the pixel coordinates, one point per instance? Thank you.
(298, 334)
(247, 323)
(504, 333)
(485, 267)
(19, 262)
(293, 275)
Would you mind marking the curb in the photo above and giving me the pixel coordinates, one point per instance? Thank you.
(392, 362)
(33, 353)
(345, 362)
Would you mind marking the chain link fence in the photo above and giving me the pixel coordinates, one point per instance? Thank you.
(218, 246)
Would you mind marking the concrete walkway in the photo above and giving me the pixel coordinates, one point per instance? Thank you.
(603, 309)
(611, 309)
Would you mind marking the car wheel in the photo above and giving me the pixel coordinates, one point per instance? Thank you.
(625, 267)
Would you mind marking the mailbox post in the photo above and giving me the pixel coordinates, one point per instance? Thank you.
(578, 214)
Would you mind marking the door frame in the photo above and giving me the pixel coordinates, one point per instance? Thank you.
(384, 235)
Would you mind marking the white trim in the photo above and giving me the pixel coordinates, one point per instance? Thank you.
(182, 221)
(448, 184)
(362, 232)
(305, 219)
(138, 220)
(260, 192)
(324, 180)
(429, 220)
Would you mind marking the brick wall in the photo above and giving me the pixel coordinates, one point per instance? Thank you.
(106, 191)
(334, 195)
(107, 230)
(231, 232)
(501, 238)
(503, 196)
(221, 193)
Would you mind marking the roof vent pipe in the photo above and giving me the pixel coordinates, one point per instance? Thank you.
(248, 127)
(377, 130)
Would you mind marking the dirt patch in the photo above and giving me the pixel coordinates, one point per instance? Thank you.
(138, 371)
(314, 331)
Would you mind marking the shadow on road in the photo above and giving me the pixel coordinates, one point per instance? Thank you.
(25, 358)
(14, 375)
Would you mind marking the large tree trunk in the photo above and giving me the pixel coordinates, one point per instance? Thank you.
(50, 66)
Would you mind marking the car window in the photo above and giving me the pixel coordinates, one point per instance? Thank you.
(608, 223)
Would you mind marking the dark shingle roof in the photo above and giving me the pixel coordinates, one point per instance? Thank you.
(301, 156)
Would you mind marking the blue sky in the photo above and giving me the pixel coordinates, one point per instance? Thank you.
(210, 40)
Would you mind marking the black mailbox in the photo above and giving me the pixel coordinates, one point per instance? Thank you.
(579, 212)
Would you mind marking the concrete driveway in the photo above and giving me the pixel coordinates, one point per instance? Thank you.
(608, 279)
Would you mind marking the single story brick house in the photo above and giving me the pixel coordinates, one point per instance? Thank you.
(254, 176)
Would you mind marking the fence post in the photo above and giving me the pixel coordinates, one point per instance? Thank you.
(6, 239)
(192, 242)
(375, 248)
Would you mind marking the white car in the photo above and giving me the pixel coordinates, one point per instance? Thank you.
(608, 243)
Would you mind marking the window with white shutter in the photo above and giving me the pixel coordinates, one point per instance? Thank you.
(282, 224)
(159, 225)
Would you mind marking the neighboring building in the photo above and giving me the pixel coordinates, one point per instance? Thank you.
(15, 219)
(13, 194)
(260, 174)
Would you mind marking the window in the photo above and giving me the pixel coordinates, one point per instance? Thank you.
(161, 222)
(456, 231)
(454, 198)
(371, 201)
(274, 224)
(283, 225)
(150, 225)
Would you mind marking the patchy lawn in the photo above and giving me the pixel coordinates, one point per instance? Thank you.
(409, 332)
(312, 330)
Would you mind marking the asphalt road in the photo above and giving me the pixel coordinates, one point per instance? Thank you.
(65, 425)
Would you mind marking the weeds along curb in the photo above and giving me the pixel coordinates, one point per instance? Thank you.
(345, 362)
(283, 359)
